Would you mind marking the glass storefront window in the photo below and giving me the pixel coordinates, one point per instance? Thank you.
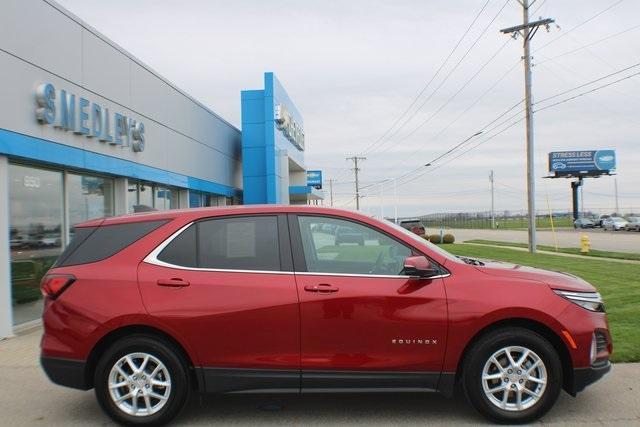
(144, 196)
(195, 199)
(36, 238)
(140, 197)
(89, 197)
(37, 220)
(199, 199)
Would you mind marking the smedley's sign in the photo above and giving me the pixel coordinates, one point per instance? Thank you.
(291, 129)
(67, 111)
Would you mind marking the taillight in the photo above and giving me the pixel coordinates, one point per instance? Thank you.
(52, 285)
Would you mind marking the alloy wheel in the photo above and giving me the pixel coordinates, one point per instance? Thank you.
(139, 384)
(514, 378)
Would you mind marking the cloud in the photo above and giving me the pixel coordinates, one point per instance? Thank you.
(354, 67)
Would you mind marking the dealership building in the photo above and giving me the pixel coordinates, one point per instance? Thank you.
(87, 131)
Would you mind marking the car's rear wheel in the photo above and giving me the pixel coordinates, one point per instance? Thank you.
(513, 375)
(141, 380)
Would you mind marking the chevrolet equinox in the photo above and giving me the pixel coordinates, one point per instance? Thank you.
(147, 308)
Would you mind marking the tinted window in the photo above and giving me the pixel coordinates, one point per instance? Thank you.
(182, 249)
(337, 246)
(106, 241)
(79, 234)
(243, 243)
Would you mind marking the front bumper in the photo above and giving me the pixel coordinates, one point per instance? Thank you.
(66, 372)
(582, 377)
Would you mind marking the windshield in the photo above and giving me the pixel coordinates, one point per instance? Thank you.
(425, 242)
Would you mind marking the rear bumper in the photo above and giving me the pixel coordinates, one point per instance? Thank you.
(582, 377)
(65, 372)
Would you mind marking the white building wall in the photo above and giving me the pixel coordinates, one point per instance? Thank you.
(40, 42)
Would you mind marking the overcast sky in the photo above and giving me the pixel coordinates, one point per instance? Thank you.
(354, 67)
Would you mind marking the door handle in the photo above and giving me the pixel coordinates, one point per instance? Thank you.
(173, 283)
(323, 288)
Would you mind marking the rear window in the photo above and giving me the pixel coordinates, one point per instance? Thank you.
(91, 244)
(238, 243)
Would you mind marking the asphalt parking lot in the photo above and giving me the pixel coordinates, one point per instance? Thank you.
(621, 241)
(27, 398)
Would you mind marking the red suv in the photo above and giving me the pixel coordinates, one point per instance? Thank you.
(149, 307)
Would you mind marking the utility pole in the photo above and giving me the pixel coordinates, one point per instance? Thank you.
(615, 183)
(331, 191)
(355, 169)
(395, 195)
(527, 30)
(382, 200)
(493, 212)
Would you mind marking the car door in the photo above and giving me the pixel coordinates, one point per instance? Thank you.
(363, 323)
(225, 286)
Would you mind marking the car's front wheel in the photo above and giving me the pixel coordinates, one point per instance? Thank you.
(141, 380)
(513, 375)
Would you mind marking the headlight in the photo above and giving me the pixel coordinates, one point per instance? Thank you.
(592, 301)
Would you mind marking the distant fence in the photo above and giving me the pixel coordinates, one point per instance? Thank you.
(513, 219)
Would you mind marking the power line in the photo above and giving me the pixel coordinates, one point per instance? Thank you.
(589, 83)
(415, 99)
(588, 45)
(446, 78)
(518, 121)
(486, 129)
(451, 98)
(587, 92)
(579, 25)
(431, 170)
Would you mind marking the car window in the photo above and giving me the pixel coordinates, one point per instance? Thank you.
(91, 244)
(333, 245)
(182, 249)
(239, 243)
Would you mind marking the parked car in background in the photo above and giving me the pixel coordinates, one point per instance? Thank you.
(633, 223)
(258, 299)
(16, 242)
(614, 223)
(414, 225)
(583, 223)
(600, 220)
(349, 235)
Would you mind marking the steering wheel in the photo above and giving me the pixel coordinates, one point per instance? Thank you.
(377, 264)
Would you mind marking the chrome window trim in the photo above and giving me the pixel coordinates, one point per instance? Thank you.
(152, 258)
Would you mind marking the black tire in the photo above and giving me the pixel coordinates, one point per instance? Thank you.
(480, 353)
(163, 351)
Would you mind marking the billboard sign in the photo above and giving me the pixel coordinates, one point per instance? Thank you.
(314, 179)
(588, 162)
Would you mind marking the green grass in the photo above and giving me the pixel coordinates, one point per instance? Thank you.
(592, 253)
(618, 283)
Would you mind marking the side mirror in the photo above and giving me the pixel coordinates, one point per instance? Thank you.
(419, 266)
